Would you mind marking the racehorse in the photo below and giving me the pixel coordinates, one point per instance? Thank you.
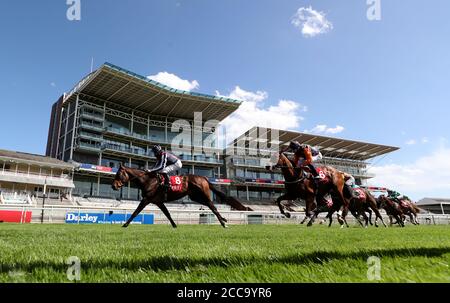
(304, 187)
(409, 208)
(364, 202)
(392, 209)
(198, 189)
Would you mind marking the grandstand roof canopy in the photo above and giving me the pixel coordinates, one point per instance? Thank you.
(19, 157)
(330, 147)
(433, 201)
(122, 87)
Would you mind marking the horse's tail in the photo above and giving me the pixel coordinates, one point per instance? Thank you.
(233, 202)
(415, 208)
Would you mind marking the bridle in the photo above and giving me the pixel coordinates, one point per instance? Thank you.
(300, 179)
(130, 179)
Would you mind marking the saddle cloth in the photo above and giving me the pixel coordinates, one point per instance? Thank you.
(176, 183)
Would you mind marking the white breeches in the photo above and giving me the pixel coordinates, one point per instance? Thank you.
(171, 168)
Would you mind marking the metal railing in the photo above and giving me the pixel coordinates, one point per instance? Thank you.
(57, 214)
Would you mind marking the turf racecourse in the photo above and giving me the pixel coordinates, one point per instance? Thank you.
(254, 253)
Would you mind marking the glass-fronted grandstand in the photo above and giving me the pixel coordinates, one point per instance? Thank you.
(250, 153)
(115, 116)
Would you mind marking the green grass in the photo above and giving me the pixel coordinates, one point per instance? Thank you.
(255, 253)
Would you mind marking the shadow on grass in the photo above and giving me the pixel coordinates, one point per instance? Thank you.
(164, 263)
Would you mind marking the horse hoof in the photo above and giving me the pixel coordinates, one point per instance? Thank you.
(124, 226)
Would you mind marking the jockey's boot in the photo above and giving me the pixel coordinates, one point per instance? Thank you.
(166, 185)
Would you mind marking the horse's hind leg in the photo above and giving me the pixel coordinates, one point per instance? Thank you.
(370, 217)
(166, 212)
(205, 200)
(412, 219)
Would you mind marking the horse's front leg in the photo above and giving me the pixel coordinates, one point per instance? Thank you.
(138, 210)
(309, 205)
(280, 206)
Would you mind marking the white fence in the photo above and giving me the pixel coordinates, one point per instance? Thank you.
(57, 215)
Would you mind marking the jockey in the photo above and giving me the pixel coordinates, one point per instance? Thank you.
(166, 164)
(305, 155)
(350, 182)
(396, 196)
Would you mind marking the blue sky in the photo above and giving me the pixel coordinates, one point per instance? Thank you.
(383, 81)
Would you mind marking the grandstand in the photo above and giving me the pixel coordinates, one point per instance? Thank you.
(249, 154)
(25, 178)
(435, 205)
(115, 116)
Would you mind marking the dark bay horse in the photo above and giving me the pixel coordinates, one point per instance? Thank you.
(392, 209)
(198, 189)
(410, 209)
(302, 187)
(363, 203)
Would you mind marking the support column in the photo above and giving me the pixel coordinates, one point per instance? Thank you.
(65, 136)
(98, 185)
(74, 126)
(132, 122)
(165, 132)
(148, 127)
(248, 195)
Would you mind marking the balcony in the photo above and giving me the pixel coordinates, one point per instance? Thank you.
(91, 126)
(254, 163)
(90, 136)
(200, 159)
(37, 179)
(89, 147)
(124, 150)
(91, 116)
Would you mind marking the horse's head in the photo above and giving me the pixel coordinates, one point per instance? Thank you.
(381, 201)
(121, 178)
(280, 160)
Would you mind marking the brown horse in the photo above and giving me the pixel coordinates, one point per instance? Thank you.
(392, 209)
(303, 187)
(198, 189)
(410, 209)
(363, 203)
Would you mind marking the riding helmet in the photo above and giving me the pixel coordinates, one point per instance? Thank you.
(156, 149)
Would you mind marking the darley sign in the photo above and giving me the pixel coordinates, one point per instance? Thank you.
(106, 218)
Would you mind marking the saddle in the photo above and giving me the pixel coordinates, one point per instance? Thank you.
(175, 182)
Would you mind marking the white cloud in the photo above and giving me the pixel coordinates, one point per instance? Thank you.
(428, 176)
(324, 129)
(174, 81)
(311, 22)
(424, 140)
(53, 84)
(284, 115)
